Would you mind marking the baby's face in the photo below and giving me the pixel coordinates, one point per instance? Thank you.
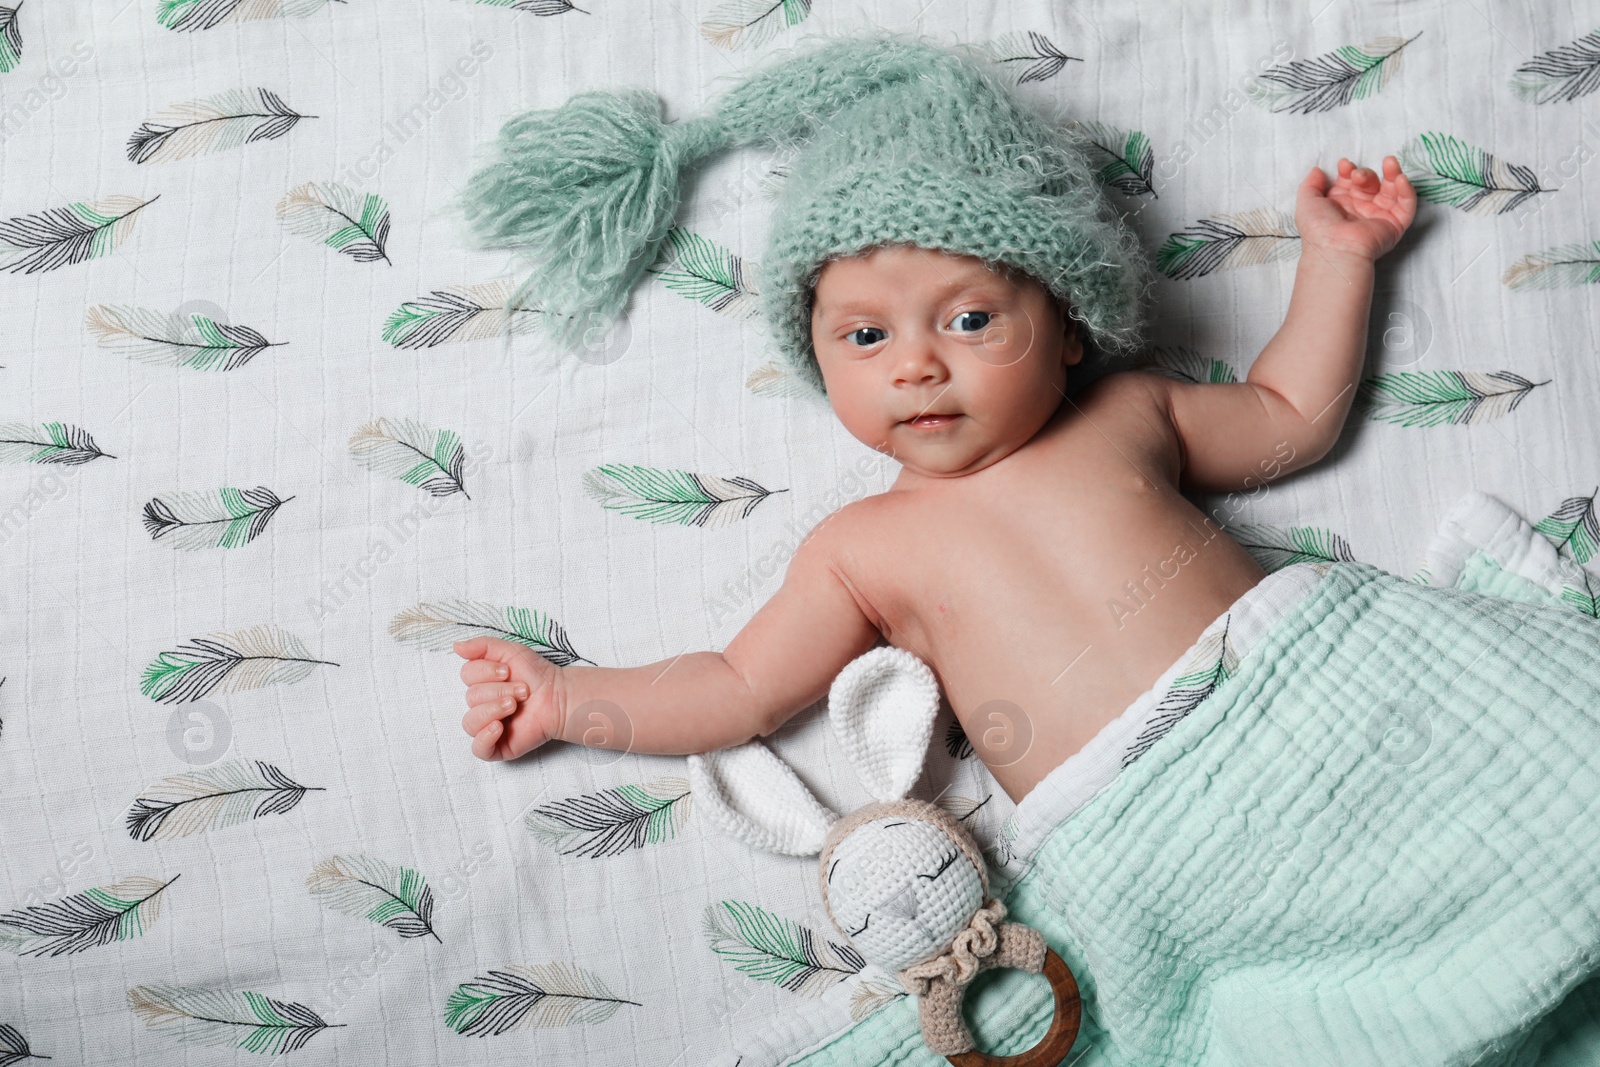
(903, 332)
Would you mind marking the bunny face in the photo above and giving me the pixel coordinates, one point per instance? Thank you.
(901, 889)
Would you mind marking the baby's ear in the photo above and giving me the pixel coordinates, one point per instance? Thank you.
(1071, 335)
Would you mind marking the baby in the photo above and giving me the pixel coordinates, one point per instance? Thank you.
(1005, 552)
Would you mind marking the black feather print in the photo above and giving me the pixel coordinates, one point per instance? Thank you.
(613, 821)
(1044, 60)
(61, 237)
(14, 1048)
(545, 995)
(1188, 691)
(81, 921)
(231, 793)
(1564, 73)
(956, 742)
(215, 124)
(10, 51)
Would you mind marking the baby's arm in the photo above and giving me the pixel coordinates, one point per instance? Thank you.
(784, 659)
(1292, 406)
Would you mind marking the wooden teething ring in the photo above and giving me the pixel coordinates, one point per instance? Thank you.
(1057, 1041)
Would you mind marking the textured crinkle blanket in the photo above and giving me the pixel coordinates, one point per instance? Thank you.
(1374, 842)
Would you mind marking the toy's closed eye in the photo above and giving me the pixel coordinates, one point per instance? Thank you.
(948, 860)
(864, 922)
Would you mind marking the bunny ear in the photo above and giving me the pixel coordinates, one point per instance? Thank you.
(882, 706)
(753, 795)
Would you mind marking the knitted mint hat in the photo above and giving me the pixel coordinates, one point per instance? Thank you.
(901, 141)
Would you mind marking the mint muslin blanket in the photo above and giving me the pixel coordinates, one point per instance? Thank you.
(1375, 842)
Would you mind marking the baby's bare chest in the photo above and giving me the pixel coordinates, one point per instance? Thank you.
(1057, 590)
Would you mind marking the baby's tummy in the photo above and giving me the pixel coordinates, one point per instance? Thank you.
(1035, 676)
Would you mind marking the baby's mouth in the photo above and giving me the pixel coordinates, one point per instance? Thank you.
(932, 421)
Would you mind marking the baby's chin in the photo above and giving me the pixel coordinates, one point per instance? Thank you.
(938, 453)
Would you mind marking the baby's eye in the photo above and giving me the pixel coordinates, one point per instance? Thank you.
(984, 315)
(865, 329)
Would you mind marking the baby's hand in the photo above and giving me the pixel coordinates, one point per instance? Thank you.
(1360, 215)
(511, 697)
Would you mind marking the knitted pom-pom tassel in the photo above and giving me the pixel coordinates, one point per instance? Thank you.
(587, 191)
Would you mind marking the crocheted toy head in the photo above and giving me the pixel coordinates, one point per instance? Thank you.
(873, 863)
(901, 878)
(900, 141)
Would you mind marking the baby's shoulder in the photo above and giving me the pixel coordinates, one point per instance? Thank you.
(1126, 388)
(1129, 409)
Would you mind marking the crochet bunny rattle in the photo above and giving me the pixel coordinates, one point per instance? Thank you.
(901, 878)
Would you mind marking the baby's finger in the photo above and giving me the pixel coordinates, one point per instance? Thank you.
(1315, 184)
(471, 648)
(1345, 167)
(483, 744)
(484, 670)
(508, 652)
(480, 715)
(501, 693)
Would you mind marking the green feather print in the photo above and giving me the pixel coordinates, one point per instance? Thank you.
(543, 996)
(229, 663)
(704, 271)
(1574, 531)
(674, 496)
(1443, 397)
(1042, 58)
(63, 236)
(437, 625)
(747, 24)
(193, 15)
(1564, 73)
(14, 1048)
(1444, 170)
(245, 1020)
(1127, 160)
(10, 38)
(50, 442)
(394, 897)
(773, 949)
(1228, 242)
(1330, 80)
(217, 518)
(1184, 364)
(214, 124)
(459, 313)
(1275, 547)
(1573, 527)
(338, 216)
(614, 820)
(81, 921)
(196, 341)
(1555, 268)
(213, 798)
(431, 460)
(1583, 596)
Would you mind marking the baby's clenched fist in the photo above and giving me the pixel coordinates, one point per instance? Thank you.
(512, 697)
